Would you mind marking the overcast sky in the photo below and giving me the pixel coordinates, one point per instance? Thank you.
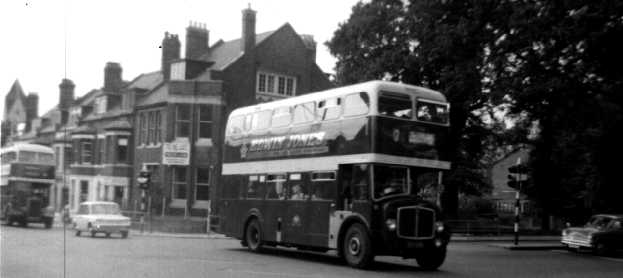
(129, 32)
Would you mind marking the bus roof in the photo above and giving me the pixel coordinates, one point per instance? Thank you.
(27, 147)
(361, 87)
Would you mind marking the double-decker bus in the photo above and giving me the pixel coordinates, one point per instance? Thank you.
(26, 177)
(348, 169)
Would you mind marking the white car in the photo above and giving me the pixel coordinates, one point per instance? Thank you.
(100, 217)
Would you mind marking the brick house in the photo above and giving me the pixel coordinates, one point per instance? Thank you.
(179, 124)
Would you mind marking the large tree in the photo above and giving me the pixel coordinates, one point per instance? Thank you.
(437, 44)
(558, 63)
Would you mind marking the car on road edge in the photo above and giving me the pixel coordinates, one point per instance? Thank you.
(100, 217)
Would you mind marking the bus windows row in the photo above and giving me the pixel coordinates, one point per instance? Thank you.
(351, 105)
(316, 186)
(394, 105)
(27, 157)
(398, 105)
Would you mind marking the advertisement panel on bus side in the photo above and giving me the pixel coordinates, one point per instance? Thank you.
(32, 171)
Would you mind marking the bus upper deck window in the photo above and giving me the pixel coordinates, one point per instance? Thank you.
(395, 105)
(8, 157)
(281, 117)
(26, 156)
(329, 109)
(356, 104)
(303, 113)
(235, 125)
(432, 112)
(46, 158)
(261, 120)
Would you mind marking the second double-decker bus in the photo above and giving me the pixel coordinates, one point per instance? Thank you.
(26, 178)
(346, 169)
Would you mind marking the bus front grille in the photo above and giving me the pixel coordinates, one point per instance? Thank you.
(416, 222)
(34, 207)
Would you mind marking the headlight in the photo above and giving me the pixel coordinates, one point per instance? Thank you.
(439, 227)
(565, 232)
(590, 237)
(391, 224)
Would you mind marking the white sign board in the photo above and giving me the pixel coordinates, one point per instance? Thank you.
(176, 153)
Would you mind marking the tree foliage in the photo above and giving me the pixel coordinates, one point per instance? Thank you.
(559, 62)
(554, 66)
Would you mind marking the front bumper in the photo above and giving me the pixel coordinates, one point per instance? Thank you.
(110, 228)
(570, 242)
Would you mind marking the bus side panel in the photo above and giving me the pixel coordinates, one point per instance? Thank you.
(230, 218)
(274, 210)
(318, 223)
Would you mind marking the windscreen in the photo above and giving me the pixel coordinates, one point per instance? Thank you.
(390, 180)
(105, 209)
(432, 112)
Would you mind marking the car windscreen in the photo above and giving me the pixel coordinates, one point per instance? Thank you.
(105, 209)
(599, 222)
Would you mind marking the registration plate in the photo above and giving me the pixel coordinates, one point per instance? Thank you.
(574, 246)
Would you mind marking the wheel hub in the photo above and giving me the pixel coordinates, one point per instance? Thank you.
(354, 246)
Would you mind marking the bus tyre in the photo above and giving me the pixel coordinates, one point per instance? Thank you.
(357, 247)
(48, 223)
(253, 236)
(431, 259)
(124, 234)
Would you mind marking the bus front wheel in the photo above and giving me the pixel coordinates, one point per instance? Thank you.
(357, 247)
(431, 259)
(253, 236)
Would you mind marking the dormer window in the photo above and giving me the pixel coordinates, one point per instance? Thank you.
(276, 84)
(100, 104)
(178, 71)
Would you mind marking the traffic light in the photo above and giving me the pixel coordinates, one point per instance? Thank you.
(143, 179)
(518, 174)
(518, 169)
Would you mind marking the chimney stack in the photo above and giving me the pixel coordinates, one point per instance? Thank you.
(112, 77)
(66, 98)
(248, 30)
(170, 51)
(197, 40)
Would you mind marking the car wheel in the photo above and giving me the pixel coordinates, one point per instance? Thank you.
(107, 234)
(601, 249)
(124, 234)
(357, 247)
(253, 236)
(77, 232)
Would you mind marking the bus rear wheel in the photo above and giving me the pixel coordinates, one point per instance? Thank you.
(48, 223)
(431, 259)
(357, 247)
(253, 236)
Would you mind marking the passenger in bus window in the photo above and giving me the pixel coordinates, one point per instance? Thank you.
(297, 193)
(318, 193)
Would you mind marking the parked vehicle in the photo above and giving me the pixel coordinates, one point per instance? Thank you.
(602, 234)
(26, 175)
(100, 217)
